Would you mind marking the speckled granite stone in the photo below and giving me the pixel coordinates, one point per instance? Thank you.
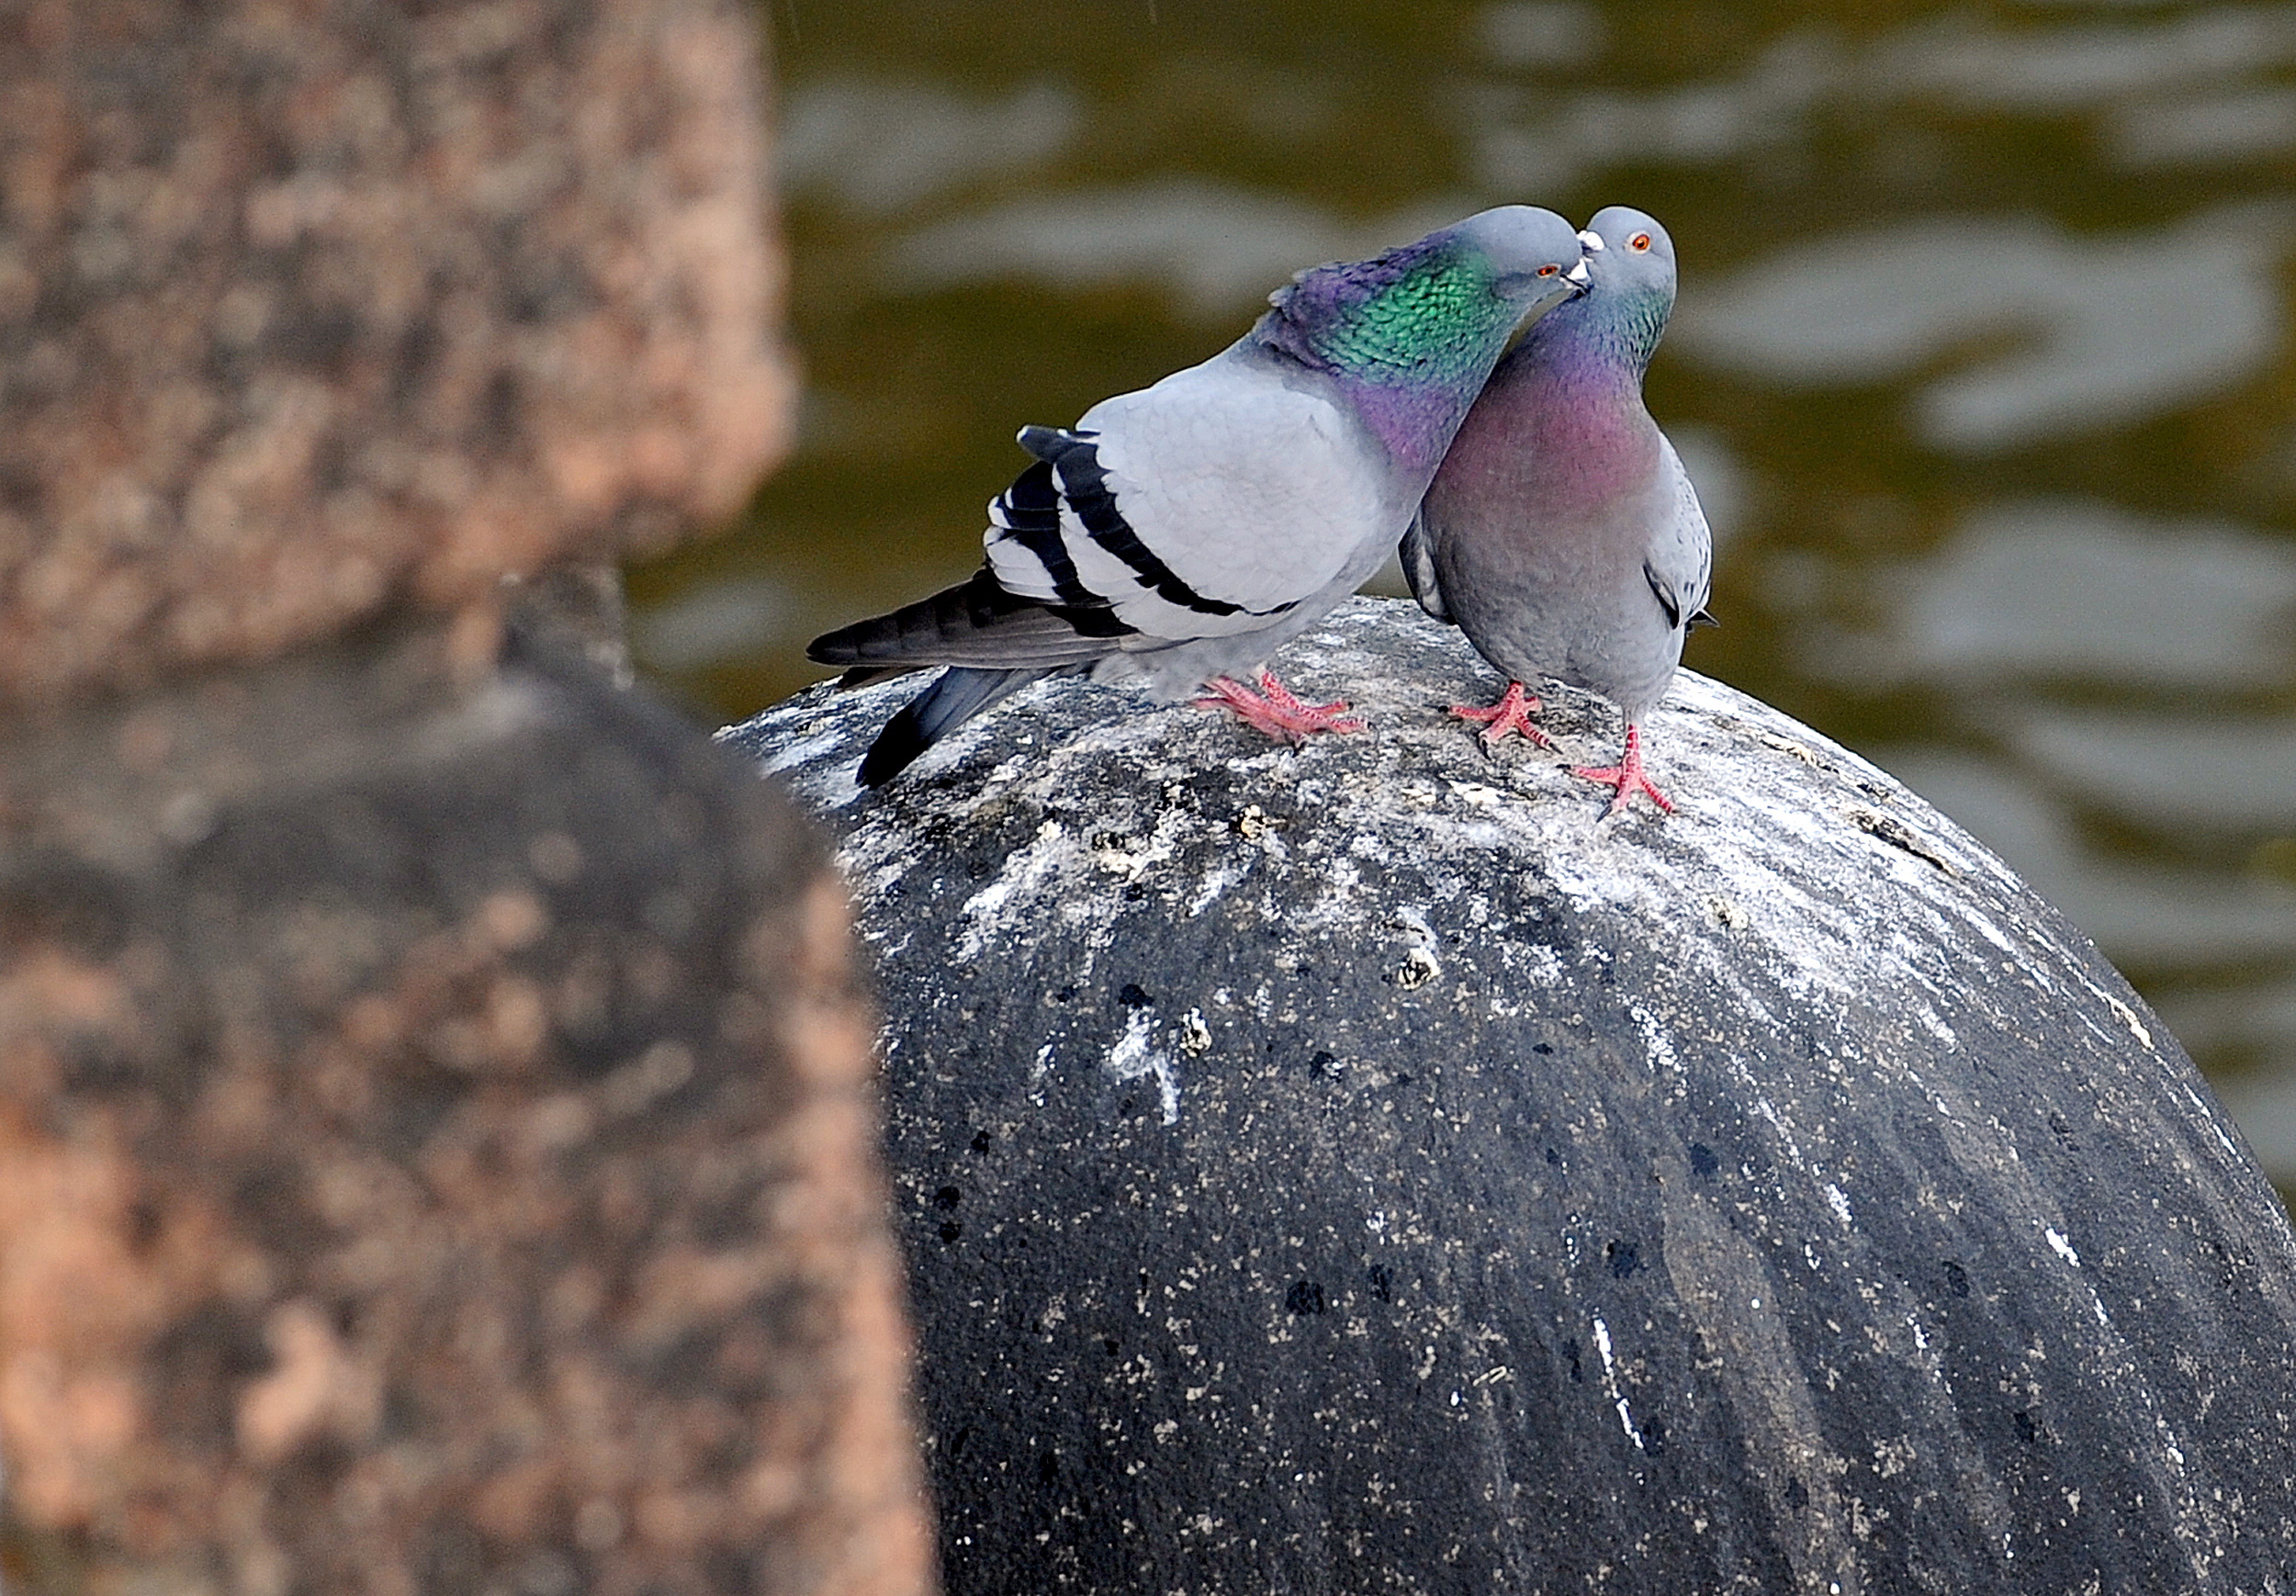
(437, 1143)
(310, 310)
(438, 1151)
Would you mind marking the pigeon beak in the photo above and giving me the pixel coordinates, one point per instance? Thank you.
(1577, 274)
(1593, 240)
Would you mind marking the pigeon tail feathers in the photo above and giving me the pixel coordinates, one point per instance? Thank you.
(959, 694)
(976, 623)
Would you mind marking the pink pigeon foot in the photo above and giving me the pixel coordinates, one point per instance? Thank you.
(1273, 711)
(1511, 714)
(1627, 776)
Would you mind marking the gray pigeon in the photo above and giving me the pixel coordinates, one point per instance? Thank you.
(1561, 532)
(1183, 534)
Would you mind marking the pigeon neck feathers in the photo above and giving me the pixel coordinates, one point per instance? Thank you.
(1415, 315)
(1562, 424)
(1410, 335)
(1600, 340)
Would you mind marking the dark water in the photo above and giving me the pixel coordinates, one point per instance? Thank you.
(1982, 365)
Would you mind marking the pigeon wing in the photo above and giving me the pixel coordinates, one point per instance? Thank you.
(1416, 553)
(1207, 505)
(1679, 564)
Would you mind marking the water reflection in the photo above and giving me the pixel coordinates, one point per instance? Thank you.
(2174, 921)
(2205, 128)
(879, 148)
(2085, 594)
(2098, 330)
(2182, 84)
(2229, 773)
(1983, 365)
(1217, 248)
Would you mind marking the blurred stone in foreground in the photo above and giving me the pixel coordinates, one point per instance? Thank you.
(1361, 1169)
(306, 310)
(437, 1150)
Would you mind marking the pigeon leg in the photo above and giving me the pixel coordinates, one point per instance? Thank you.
(1627, 776)
(1511, 714)
(1273, 709)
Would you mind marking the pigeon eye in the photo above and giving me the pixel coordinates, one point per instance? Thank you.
(1640, 241)
(1549, 270)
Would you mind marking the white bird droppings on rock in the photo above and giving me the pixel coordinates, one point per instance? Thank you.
(1490, 1083)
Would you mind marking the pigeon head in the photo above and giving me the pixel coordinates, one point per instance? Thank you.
(1434, 312)
(1630, 280)
(1530, 262)
(1410, 336)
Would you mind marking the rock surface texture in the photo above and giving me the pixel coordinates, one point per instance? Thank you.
(437, 1147)
(418, 1176)
(306, 310)
(1357, 1169)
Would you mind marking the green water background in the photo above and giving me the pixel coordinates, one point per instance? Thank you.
(1982, 365)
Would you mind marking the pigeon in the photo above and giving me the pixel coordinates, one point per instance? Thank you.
(1180, 534)
(1561, 533)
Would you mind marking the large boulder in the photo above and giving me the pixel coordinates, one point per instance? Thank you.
(1365, 1168)
(438, 1151)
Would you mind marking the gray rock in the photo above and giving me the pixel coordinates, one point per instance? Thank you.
(1359, 1169)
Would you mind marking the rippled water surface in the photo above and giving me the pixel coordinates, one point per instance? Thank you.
(1982, 365)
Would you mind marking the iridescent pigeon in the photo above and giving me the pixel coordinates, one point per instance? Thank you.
(1183, 534)
(1561, 532)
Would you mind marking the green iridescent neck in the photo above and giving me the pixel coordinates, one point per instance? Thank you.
(1613, 331)
(1434, 324)
(1423, 315)
(1412, 336)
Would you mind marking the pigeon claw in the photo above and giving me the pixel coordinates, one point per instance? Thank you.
(1275, 710)
(1627, 777)
(1511, 714)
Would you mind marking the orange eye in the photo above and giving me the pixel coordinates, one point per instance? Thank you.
(1640, 240)
(1548, 271)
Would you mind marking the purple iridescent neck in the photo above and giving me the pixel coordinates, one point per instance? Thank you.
(1415, 424)
(1563, 417)
(1575, 373)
